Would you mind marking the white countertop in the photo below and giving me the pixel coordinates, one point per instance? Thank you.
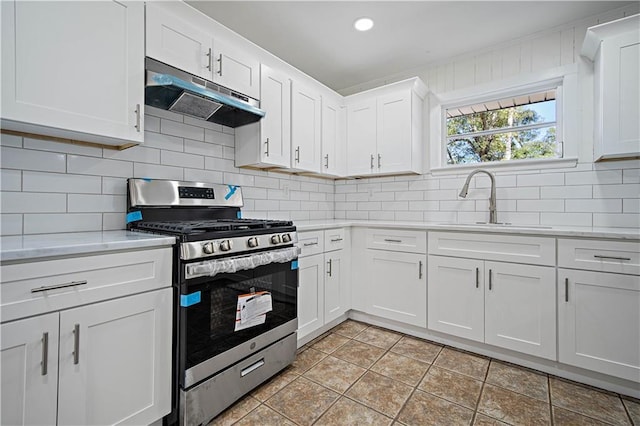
(551, 231)
(27, 247)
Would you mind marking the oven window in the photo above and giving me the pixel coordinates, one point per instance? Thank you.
(208, 327)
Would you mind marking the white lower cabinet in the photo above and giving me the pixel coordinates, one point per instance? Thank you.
(599, 322)
(310, 294)
(335, 284)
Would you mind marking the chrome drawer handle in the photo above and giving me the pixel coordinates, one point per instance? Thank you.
(598, 256)
(420, 270)
(389, 240)
(57, 286)
(45, 353)
(566, 289)
(335, 240)
(252, 368)
(329, 269)
(76, 344)
(310, 244)
(477, 277)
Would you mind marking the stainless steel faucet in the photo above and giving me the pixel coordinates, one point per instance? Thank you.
(492, 199)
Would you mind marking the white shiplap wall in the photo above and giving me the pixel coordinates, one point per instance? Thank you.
(53, 187)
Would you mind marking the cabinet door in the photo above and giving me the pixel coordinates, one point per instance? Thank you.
(398, 286)
(599, 322)
(310, 294)
(178, 43)
(29, 364)
(361, 138)
(333, 137)
(394, 133)
(115, 361)
(305, 128)
(456, 297)
(335, 291)
(236, 69)
(74, 67)
(275, 99)
(620, 95)
(520, 309)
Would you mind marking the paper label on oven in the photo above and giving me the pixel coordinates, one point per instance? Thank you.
(252, 309)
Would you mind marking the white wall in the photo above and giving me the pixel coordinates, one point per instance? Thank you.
(54, 187)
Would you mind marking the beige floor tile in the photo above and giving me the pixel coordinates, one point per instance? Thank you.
(511, 407)
(264, 416)
(305, 360)
(348, 412)
(426, 409)
(335, 373)
(349, 328)
(330, 343)
(400, 368)
(417, 349)
(358, 353)
(482, 420)
(463, 363)
(302, 401)
(633, 407)
(452, 386)
(590, 402)
(268, 389)
(380, 393)
(378, 337)
(562, 417)
(519, 380)
(235, 412)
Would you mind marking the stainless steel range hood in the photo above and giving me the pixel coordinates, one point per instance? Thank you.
(174, 90)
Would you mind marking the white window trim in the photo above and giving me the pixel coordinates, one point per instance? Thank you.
(567, 113)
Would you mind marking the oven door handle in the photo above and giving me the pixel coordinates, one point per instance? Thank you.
(233, 264)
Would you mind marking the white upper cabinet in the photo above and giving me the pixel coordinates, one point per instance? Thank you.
(179, 36)
(305, 128)
(614, 47)
(267, 143)
(334, 152)
(74, 70)
(384, 129)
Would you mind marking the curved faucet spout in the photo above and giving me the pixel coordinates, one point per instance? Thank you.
(493, 215)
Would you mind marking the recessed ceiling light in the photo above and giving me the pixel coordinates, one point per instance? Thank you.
(363, 24)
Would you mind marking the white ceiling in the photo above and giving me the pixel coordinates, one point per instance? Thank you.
(318, 38)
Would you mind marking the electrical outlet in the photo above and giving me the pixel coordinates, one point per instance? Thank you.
(285, 189)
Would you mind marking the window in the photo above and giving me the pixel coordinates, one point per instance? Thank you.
(509, 128)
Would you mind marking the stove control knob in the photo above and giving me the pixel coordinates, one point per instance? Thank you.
(286, 238)
(252, 242)
(208, 248)
(275, 239)
(225, 245)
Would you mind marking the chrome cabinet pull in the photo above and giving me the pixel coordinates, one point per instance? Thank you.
(297, 157)
(45, 354)
(329, 268)
(57, 286)
(335, 240)
(76, 344)
(566, 289)
(209, 66)
(267, 147)
(490, 280)
(252, 367)
(220, 65)
(420, 270)
(389, 240)
(326, 161)
(371, 161)
(137, 126)
(598, 256)
(310, 244)
(477, 277)
(379, 160)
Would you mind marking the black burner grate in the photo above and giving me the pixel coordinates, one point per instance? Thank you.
(218, 225)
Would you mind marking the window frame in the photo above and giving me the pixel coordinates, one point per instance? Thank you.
(564, 80)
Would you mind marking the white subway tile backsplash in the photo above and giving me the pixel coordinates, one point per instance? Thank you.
(113, 221)
(431, 205)
(424, 185)
(114, 186)
(219, 164)
(181, 130)
(202, 148)
(381, 215)
(10, 224)
(11, 180)
(10, 140)
(267, 182)
(599, 177)
(540, 179)
(151, 123)
(394, 186)
(80, 203)
(631, 205)
(228, 152)
(66, 222)
(32, 202)
(154, 171)
(458, 205)
(299, 195)
(22, 159)
(519, 218)
(202, 123)
(140, 154)
(396, 205)
(158, 140)
(238, 179)
(276, 194)
(564, 192)
(409, 196)
(616, 220)
(631, 190)
(566, 219)
(524, 193)
(540, 205)
(594, 206)
(60, 182)
(164, 114)
(98, 166)
(206, 176)
(441, 194)
(66, 148)
(631, 176)
(179, 159)
(358, 196)
(218, 138)
(267, 204)
(371, 205)
(289, 205)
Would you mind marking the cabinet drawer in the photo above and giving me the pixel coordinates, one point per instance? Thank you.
(311, 242)
(606, 256)
(334, 239)
(506, 248)
(50, 285)
(397, 240)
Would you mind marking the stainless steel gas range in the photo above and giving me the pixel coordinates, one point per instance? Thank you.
(236, 285)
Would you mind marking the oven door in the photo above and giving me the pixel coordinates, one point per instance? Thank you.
(233, 307)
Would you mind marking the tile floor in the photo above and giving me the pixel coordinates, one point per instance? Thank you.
(357, 374)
